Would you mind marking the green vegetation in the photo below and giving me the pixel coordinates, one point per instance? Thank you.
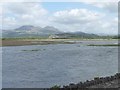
(72, 38)
(65, 36)
(46, 41)
(103, 45)
(116, 37)
(56, 87)
(31, 50)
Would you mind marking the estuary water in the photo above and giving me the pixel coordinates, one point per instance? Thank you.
(43, 66)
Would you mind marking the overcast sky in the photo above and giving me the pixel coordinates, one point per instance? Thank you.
(90, 17)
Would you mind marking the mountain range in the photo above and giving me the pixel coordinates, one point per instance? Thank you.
(33, 31)
(30, 31)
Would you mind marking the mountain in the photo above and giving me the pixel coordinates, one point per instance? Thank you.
(30, 31)
(26, 27)
(48, 31)
(77, 35)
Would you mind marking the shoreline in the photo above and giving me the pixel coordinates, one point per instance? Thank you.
(31, 42)
(22, 42)
(97, 82)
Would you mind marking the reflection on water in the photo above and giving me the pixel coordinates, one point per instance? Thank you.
(48, 65)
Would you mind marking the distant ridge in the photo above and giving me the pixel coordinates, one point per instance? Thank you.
(48, 32)
(30, 31)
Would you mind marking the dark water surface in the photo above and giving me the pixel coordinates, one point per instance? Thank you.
(39, 66)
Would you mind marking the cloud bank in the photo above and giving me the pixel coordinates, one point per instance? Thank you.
(101, 19)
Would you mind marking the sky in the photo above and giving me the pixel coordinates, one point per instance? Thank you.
(90, 17)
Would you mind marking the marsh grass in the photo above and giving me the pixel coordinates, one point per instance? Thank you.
(56, 87)
(103, 45)
(34, 50)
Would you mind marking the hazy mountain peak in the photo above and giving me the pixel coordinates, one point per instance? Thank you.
(29, 30)
(25, 27)
(49, 27)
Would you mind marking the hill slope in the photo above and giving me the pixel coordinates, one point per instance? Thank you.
(32, 31)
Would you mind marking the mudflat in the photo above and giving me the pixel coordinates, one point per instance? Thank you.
(21, 42)
(31, 42)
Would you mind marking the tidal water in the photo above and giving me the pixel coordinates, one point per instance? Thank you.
(43, 66)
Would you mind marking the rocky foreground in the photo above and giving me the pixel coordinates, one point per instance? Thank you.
(109, 82)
